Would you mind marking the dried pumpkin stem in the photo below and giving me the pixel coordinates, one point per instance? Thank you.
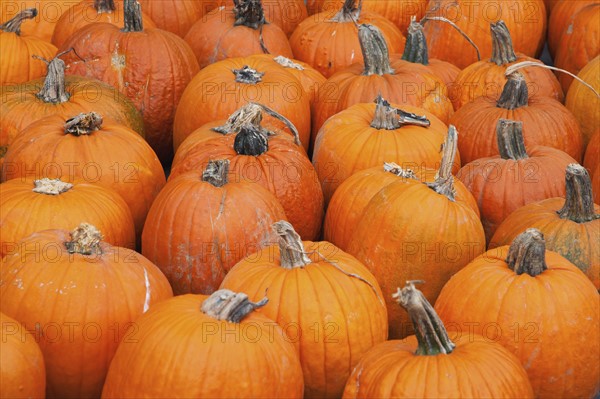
(14, 25)
(248, 75)
(291, 248)
(579, 200)
(514, 94)
(83, 124)
(502, 48)
(85, 240)
(432, 336)
(104, 6)
(399, 171)
(527, 253)
(390, 118)
(249, 13)
(348, 12)
(132, 16)
(374, 50)
(415, 50)
(509, 135)
(230, 306)
(287, 63)
(54, 90)
(51, 186)
(216, 172)
(250, 141)
(444, 181)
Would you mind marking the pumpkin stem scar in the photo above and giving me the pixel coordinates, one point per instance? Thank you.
(415, 50)
(85, 240)
(527, 253)
(502, 48)
(444, 181)
(579, 200)
(390, 118)
(216, 172)
(14, 25)
(230, 306)
(83, 124)
(51, 186)
(248, 75)
(291, 248)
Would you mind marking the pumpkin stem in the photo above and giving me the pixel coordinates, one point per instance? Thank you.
(54, 90)
(390, 118)
(230, 306)
(287, 63)
(132, 16)
(431, 334)
(527, 253)
(374, 50)
(104, 6)
(579, 200)
(502, 48)
(51, 186)
(444, 181)
(515, 93)
(83, 124)
(415, 50)
(216, 172)
(14, 25)
(399, 171)
(511, 144)
(85, 240)
(291, 248)
(348, 13)
(248, 75)
(249, 13)
(250, 141)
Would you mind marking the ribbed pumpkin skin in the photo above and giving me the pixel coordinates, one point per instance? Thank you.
(216, 359)
(16, 64)
(331, 317)
(526, 21)
(546, 122)
(152, 68)
(284, 170)
(410, 232)
(25, 212)
(347, 144)
(100, 295)
(176, 16)
(560, 18)
(502, 186)
(592, 153)
(22, 369)
(582, 102)
(221, 95)
(195, 232)
(20, 107)
(596, 184)
(114, 157)
(444, 70)
(49, 12)
(523, 312)
(475, 369)
(330, 47)
(215, 37)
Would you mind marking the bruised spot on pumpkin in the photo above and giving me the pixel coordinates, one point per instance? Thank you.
(118, 63)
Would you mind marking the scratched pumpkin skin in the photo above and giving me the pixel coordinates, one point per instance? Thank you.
(83, 305)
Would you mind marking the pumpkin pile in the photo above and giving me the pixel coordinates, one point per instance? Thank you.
(300, 199)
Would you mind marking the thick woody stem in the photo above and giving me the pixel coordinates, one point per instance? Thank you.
(348, 13)
(54, 89)
(390, 118)
(14, 25)
(579, 200)
(230, 306)
(132, 15)
(291, 248)
(374, 50)
(514, 94)
(51, 186)
(502, 48)
(444, 181)
(216, 172)
(250, 141)
(415, 49)
(104, 6)
(509, 135)
(85, 240)
(249, 13)
(527, 253)
(83, 124)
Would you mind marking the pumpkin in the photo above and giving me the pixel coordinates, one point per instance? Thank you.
(518, 176)
(592, 153)
(91, 149)
(257, 155)
(229, 84)
(487, 77)
(579, 43)
(584, 103)
(49, 12)
(398, 81)
(560, 18)
(23, 104)
(17, 65)
(328, 42)
(22, 370)
(222, 347)
(201, 224)
(29, 207)
(430, 364)
(526, 21)
(341, 313)
(366, 135)
(79, 296)
(237, 31)
(444, 235)
(571, 225)
(545, 121)
(596, 184)
(176, 16)
(88, 12)
(150, 66)
(513, 296)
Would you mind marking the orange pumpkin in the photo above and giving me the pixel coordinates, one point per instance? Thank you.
(31, 206)
(513, 296)
(341, 314)
(431, 365)
(328, 41)
(176, 16)
(79, 296)
(592, 153)
(49, 12)
(17, 64)
(560, 18)
(583, 102)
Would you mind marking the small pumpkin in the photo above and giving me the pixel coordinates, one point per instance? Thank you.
(49, 12)
(175, 16)
(223, 346)
(513, 295)
(584, 103)
(80, 296)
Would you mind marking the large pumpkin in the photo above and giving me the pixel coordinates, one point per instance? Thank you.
(80, 297)
(431, 365)
(536, 304)
(341, 313)
(31, 206)
(150, 66)
(583, 102)
(176, 16)
(217, 347)
(417, 231)
(560, 19)
(49, 12)
(201, 224)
